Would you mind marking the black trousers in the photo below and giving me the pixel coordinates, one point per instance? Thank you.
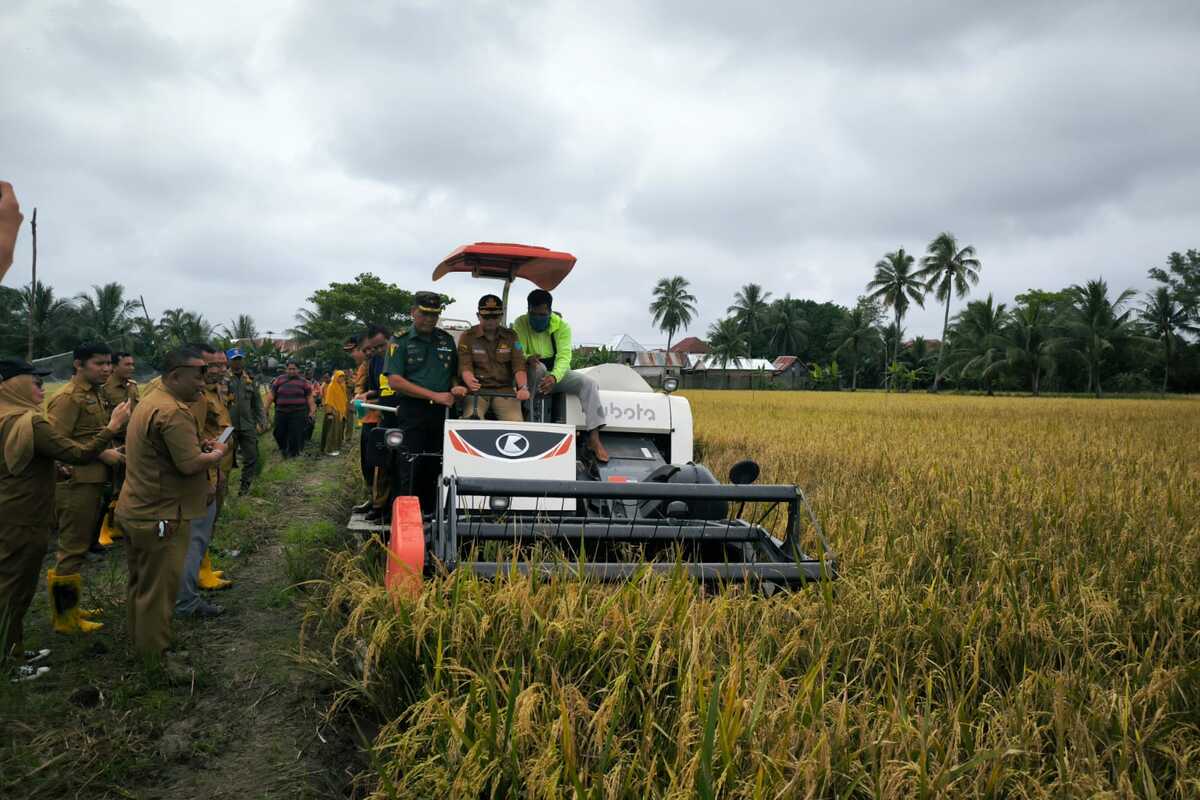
(363, 438)
(291, 427)
(423, 431)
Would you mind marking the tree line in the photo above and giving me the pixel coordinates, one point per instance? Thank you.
(1078, 338)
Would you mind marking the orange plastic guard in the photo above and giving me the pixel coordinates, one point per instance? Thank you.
(545, 268)
(406, 548)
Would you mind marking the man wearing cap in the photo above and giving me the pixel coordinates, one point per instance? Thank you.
(119, 387)
(166, 487)
(295, 407)
(246, 412)
(29, 447)
(422, 368)
(546, 339)
(491, 360)
(213, 418)
(78, 412)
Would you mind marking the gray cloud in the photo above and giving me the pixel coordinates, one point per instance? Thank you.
(232, 157)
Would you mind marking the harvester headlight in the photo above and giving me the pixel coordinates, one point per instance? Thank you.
(498, 504)
(670, 384)
(394, 438)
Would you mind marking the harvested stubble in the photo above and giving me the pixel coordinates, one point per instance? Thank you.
(1018, 615)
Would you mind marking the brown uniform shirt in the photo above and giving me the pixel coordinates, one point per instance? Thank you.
(116, 391)
(78, 412)
(164, 477)
(27, 498)
(217, 418)
(494, 361)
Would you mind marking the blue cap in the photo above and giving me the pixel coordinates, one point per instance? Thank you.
(234, 352)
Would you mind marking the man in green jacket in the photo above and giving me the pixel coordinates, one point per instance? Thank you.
(546, 340)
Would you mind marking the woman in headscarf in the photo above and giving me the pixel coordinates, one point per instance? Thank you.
(28, 449)
(336, 404)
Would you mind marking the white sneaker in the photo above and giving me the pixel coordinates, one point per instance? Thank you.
(34, 656)
(25, 672)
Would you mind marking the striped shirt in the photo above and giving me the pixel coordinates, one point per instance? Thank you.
(291, 394)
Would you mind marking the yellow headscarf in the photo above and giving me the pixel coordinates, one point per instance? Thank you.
(335, 393)
(16, 400)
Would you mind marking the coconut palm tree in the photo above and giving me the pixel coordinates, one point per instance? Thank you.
(1029, 347)
(855, 334)
(1165, 318)
(673, 306)
(727, 342)
(948, 268)
(47, 311)
(896, 285)
(786, 328)
(1096, 325)
(178, 327)
(105, 314)
(751, 312)
(978, 341)
(241, 328)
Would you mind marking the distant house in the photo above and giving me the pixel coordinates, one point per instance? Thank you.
(690, 345)
(654, 365)
(789, 365)
(625, 348)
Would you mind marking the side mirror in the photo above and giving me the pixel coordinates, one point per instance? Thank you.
(743, 472)
(670, 384)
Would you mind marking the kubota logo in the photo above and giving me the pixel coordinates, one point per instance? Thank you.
(513, 445)
(635, 413)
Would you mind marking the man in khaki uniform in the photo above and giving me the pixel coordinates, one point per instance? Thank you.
(246, 410)
(490, 358)
(119, 387)
(165, 489)
(197, 569)
(78, 412)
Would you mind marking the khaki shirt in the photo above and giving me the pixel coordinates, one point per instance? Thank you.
(116, 391)
(496, 361)
(217, 419)
(164, 476)
(78, 412)
(27, 497)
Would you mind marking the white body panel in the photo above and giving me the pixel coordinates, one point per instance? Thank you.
(489, 449)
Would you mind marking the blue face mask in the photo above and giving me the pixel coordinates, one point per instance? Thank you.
(539, 322)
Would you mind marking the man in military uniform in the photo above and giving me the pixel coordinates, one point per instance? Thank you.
(119, 387)
(197, 568)
(78, 412)
(490, 359)
(246, 411)
(422, 369)
(165, 489)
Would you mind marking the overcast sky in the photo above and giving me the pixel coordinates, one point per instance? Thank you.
(230, 157)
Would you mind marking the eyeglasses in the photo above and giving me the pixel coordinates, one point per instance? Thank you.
(202, 370)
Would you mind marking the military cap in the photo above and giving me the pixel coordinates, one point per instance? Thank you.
(429, 302)
(12, 367)
(490, 306)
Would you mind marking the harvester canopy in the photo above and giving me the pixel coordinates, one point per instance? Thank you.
(543, 267)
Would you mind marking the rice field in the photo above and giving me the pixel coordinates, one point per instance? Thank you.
(1018, 615)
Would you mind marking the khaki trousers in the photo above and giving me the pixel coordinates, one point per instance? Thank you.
(22, 548)
(155, 567)
(79, 508)
(507, 409)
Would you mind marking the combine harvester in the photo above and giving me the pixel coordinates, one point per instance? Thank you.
(509, 485)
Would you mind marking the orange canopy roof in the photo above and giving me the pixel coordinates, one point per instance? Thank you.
(545, 268)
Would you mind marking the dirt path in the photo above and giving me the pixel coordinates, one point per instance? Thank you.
(246, 724)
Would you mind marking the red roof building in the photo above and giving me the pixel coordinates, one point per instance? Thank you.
(690, 345)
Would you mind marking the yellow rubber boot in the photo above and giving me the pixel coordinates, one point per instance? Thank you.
(65, 591)
(110, 531)
(210, 580)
